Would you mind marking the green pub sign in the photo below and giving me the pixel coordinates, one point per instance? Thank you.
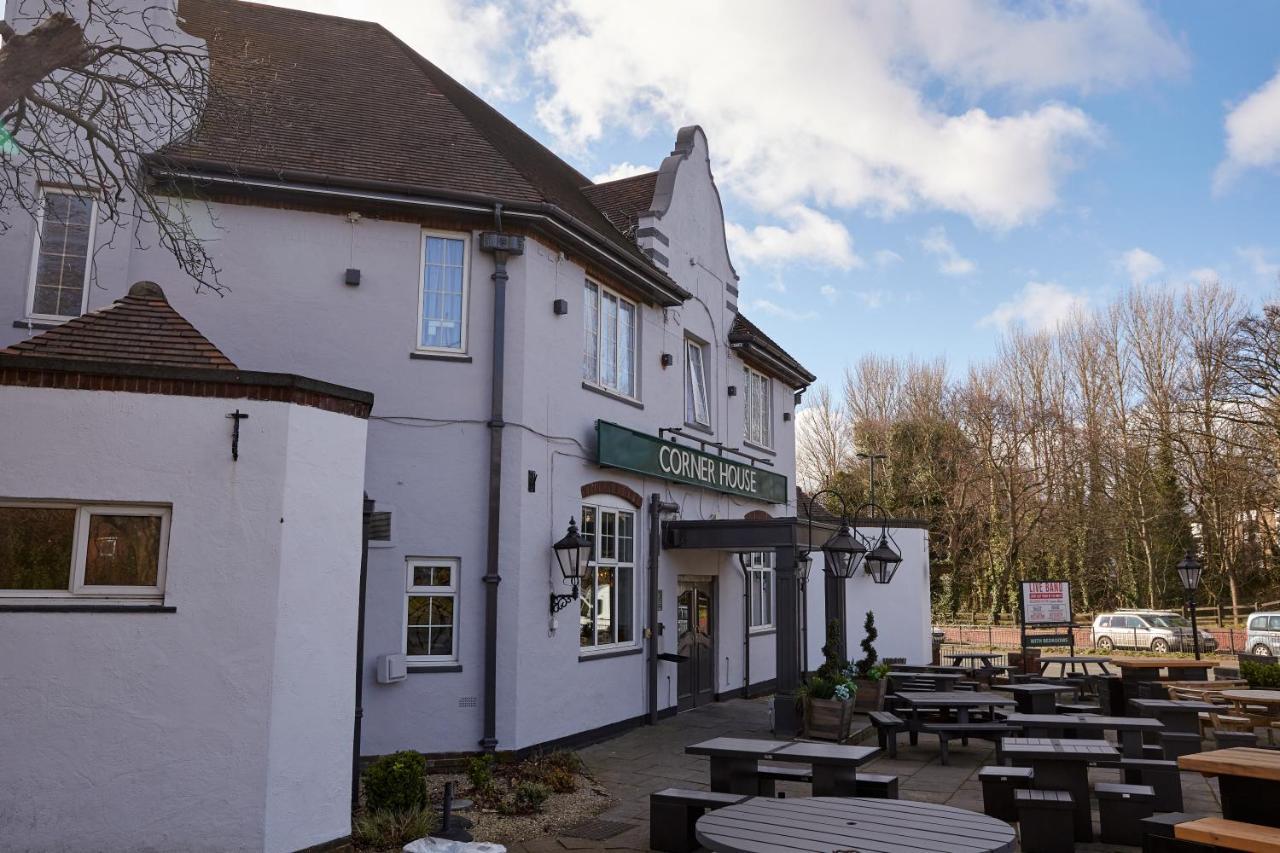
(619, 447)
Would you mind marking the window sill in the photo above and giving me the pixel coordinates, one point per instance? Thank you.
(760, 447)
(764, 632)
(42, 325)
(86, 608)
(617, 653)
(461, 358)
(699, 427)
(433, 667)
(612, 395)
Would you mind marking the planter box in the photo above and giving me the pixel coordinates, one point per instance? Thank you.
(828, 719)
(870, 695)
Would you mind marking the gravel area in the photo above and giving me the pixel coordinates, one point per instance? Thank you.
(558, 813)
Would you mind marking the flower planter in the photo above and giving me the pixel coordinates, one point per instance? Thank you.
(828, 719)
(870, 695)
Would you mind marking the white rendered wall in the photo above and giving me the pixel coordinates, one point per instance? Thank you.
(129, 731)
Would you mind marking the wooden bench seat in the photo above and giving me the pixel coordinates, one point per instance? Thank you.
(964, 731)
(1230, 834)
(887, 726)
(768, 773)
(674, 813)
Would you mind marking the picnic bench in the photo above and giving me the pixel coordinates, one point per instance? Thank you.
(1035, 697)
(1248, 781)
(1129, 730)
(1063, 765)
(1072, 663)
(1229, 835)
(736, 764)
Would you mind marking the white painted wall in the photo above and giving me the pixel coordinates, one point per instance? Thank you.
(127, 731)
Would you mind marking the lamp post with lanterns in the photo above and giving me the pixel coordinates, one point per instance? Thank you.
(1189, 571)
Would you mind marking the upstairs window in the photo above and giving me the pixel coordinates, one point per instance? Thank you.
(695, 384)
(63, 550)
(442, 308)
(609, 340)
(759, 405)
(60, 266)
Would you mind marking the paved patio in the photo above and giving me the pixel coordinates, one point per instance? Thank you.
(633, 765)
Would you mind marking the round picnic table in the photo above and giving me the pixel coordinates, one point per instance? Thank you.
(827, 824)
(1269, 699)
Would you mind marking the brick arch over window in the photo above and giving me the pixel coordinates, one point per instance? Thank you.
(757, 515)
(618, 490)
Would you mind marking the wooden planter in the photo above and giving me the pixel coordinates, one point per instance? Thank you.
(870, 695)
(828, 719)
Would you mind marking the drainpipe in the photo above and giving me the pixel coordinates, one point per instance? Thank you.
(657, 506)
(746, 627)
(501, 246)
(355, 734)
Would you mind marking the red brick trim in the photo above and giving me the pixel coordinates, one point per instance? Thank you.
(233, 387)
(618, 490)
(757, 515)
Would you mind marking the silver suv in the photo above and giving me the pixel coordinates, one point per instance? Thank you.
(1158, 630)
(1264, 633)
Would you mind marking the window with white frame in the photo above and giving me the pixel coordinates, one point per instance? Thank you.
(609, 339)
(69, 550)
(695, 384)
(759, 405)
(607, 589)
(60, 262)
(442, 309)
(760, 589)
(431, 609)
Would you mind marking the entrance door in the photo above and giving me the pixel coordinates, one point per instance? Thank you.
(695, 627)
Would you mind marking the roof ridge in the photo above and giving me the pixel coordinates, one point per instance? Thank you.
(649, 174)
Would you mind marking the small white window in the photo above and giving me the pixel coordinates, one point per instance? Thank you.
(607, 590)
(60, 266)
(609, 340)
(431, 609)
(759, 406)
(442, 301)
(760, 589)
(67, 550)
(695, 384)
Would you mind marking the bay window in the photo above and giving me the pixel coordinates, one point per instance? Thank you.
(607, 588)
(610, 333)
(759, 405)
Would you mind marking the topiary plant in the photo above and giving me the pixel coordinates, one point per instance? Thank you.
(396, 782)
(870, 657)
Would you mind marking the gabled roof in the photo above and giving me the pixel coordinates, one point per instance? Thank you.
(315, 99)
(754, 345)
(141, 328)
(624, 200)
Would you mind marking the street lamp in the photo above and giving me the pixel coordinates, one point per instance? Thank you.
(882, 559)
(842, 552)
(1189, 571)
(573, 553)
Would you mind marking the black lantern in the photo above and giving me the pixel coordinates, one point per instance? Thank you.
(1189, 571)
(573, 553)
(882, 561)
(804, 563)
(843, 552)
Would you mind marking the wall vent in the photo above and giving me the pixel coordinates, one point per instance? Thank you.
(468, 702)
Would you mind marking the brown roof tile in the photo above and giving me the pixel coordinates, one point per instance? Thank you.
(748, 334)
(622, 201)
(141, 328)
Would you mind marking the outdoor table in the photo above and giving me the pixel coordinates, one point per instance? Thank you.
(962, 701)
(1063, 765)
(1072, 662)
(939, 680)
(984, 657)
(1148, 669)
(827, 824)
(1178, 715)
(1036, 697)
(1269, 699)
(1248, 781)
(833, 765)
(734, 761)
(1129, 730)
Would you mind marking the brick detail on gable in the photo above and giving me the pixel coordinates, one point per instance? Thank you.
(618, 490)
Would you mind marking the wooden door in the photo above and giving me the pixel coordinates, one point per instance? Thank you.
(695, 631)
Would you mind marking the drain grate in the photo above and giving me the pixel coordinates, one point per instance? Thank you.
(598, 830)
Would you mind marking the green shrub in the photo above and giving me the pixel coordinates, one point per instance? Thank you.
(396, 783)
(870, 657)
(526, 798)
(1261, 675)
(480, 775)
(382, 829)
(560, 780)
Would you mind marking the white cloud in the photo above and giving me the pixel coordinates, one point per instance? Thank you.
(618, 171)
(871, 299)
(829, 293)
(1039, 306)
(895, 142)
(1201, 275)
(1141, 265)
(773, 309)
(950, 261)
(886, 257)
(1262, 268)
(1253, 134)
(808, 236)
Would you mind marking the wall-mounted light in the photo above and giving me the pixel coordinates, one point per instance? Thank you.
(733, 390)
(573, 554)
(560, 307)
(352, 277)
(786, 416)
(667, 359)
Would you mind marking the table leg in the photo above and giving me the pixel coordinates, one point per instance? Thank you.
(1181, 721)
(733, 775)
(833, 780)
(1250, 800)
(1071, 776)
(1043, 703)
(1131, 743)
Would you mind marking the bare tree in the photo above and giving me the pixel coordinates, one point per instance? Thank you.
(89, 91)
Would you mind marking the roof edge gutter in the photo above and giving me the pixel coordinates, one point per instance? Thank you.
(797, 380)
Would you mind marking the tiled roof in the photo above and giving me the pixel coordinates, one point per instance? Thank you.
(748, 334)
(622, 201)
(310, 98)
(141, 328)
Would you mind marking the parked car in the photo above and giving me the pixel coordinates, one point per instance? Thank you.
(1158, 630)
(1264, 634)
